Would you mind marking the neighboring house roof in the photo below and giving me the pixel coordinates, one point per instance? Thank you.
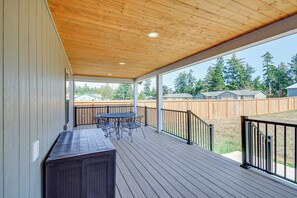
(179, 95)
(95, 95)
(237, 92)
(89, 95)
(245, 92)
(212, 93)
(294, 86)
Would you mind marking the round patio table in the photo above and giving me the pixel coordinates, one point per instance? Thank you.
(117, 117)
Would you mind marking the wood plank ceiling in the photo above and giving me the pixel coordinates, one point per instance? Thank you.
(100, 34)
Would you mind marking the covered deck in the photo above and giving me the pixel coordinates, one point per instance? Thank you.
(164, 166)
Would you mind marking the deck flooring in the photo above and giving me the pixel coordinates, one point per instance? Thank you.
(164, 166)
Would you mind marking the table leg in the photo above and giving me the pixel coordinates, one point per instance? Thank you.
(118, 130)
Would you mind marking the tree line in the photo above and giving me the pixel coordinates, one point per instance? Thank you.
(225, 74)
(236, 74)
(122, 92)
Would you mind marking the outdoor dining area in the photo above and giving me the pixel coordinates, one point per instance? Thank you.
(118, 123)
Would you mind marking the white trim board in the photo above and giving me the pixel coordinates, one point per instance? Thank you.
(268, 33)
(101, 79)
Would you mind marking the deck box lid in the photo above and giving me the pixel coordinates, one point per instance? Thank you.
(78, 143)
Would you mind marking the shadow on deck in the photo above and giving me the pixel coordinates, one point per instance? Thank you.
(164, 166)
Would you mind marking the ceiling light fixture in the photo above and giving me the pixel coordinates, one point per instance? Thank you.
(121, 63)
(109, 74)
(153, 34)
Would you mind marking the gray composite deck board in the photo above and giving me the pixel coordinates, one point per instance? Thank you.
(164, 166)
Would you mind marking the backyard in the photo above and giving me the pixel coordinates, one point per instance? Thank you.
(228, 133)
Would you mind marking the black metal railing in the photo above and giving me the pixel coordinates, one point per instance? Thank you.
(182, 124)
(270, 147)
(188, 126)
(149, 113)
(83, 115)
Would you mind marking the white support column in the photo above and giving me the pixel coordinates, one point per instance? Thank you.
(159, 101)
(135, 97)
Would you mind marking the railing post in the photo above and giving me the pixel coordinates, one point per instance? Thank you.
(145, 116)
(74, 120)
(107, 109)
(244, 142)
(189, 113)
(269, 153)
(250, 142)
(211, 140)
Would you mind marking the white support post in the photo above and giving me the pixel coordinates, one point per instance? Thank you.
(135, 97)
(159, 101)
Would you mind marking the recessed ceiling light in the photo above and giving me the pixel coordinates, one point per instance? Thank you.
(109, 74)
(121, 63)
(153, 34)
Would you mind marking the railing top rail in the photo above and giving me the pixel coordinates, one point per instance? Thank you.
(174, 110)
(272, 122)
(103, 106)
(151, 108)
(193, 114)
(147, 107)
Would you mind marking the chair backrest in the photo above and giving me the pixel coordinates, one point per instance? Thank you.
(100, 121)
(137, 119)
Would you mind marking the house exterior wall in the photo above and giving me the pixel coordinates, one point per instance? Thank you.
(260, 96)
(32, 94)
(292, 92)
(228, 95)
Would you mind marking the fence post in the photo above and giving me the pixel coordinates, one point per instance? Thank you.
(145, 116)
(269, 153)
(244, 142)
(211, 140)
(74, 120)
(189, 113)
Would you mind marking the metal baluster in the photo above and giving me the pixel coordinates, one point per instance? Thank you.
(285, 151)
(275, 151)
(295, 165)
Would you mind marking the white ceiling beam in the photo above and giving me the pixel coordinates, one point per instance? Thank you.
(268, 33)
(102, 79)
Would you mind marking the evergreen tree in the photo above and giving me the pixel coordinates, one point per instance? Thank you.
(106, 92)
(258, 85)
(293, 68)
(153, 93)
(207, 79)
(141, 96)
(216, 82)
(147, 87)
(268, 69)
(184, 83)
(282, 80)
(248, 76)
(124, 92)
(165, 90)
(236, 73)
(199, 86)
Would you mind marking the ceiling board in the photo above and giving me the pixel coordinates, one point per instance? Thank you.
(98, 34)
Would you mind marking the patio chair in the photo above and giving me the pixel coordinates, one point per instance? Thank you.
(107, 125)
(131, 124)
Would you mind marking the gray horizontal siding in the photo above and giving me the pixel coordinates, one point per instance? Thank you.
(292, 92)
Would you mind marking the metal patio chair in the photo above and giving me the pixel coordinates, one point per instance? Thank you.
(131, 124)
(106, 124)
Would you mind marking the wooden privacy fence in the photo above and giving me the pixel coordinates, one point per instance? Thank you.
(213, 109)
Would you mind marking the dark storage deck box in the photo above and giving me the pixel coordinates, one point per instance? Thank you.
(81, 165)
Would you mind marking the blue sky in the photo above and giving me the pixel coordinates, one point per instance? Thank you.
(281, 49)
